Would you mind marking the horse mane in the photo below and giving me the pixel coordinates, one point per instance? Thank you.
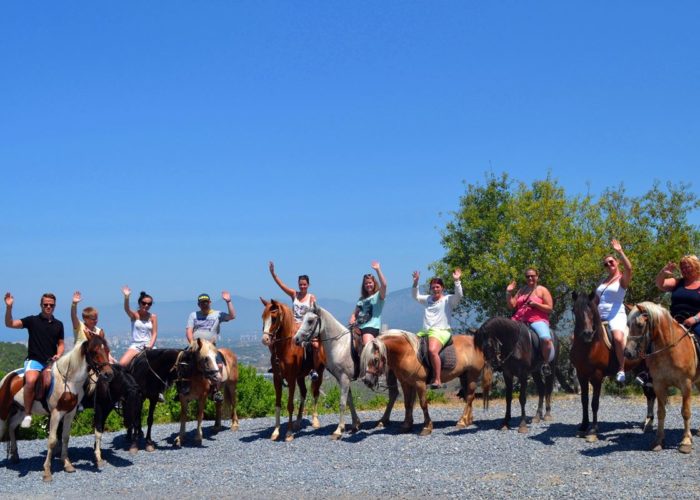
(368, 354)
(285, 317)
(411, 338)
(657, 314)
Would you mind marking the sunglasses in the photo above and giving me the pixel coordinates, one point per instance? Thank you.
(147, 304)
(204, 301)
(48, 305)
(608, 263)
(531, 276)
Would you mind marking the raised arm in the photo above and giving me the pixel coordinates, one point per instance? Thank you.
(133, 315)
(382, 279)
(665, 280)
(231, 311)
(77, 297)
(457, 277)
(9, 322)
(289, 291)
(511, 294)
(627, 273)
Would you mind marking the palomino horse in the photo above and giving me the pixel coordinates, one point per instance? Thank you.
(102, 395)
(397, 351)
(288, 364)
(154, 371)
(336, 339)
(594, 360)
(197, 370)
(508, 346)
(69, 374)
(671, 359)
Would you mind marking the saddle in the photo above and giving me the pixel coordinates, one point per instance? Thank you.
(448, 356)
(15, 382)
(607, 335)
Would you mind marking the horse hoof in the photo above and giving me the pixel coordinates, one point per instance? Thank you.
(275, 436)
(522, 429)
(581, 433)
(289, 438)
(315, 423)
(685, 448)
(47, 477)
(336, 436)
(99, 464)
(234, 427)
(198, 441)
(381, 425)
(177, 443)
(505, 427)
(405, 429)
(149, 447)
(648, 428)
(461, 425)
(591, 438)
(217, 428)
(69, 468)
(536, 419)
(548, 418)
(425, 432)
(656, 447)
(14, 458)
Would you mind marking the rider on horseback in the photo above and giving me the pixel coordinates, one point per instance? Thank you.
(45, 345)
(368, 310)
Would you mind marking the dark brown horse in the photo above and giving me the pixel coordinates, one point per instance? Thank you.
(670, 355)
(290, 364)
(594, 360)
(508, 347)
(198, 369)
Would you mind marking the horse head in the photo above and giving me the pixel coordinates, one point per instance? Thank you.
(310, 325)
(274, 317)
(96, 354)
(586, 316)
(204, 357)
(639, 323)
(373, 363)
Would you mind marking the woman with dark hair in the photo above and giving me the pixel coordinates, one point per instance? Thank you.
(611, 294)
(144, 326)
(436, 319)
(368, 310)
(301, 303)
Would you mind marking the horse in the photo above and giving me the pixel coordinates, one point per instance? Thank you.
(336, 340)
(594, 359)
(154, 371)
(670, 355)
(68, 373)
(508, 346)
(197, 370)
(290, 364)
(396, 351)
(102, 395)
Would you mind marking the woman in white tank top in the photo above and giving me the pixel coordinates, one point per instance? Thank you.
(144, 326)
(611, 295)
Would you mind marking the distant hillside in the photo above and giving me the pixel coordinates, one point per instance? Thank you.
(11, 356)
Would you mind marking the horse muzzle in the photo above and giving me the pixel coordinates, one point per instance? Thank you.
(267, 339)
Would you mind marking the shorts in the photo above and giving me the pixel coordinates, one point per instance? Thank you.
(542, 330)
(369, 331)
(138, 346)
(31, 365)
(619, 322)
(442, 335)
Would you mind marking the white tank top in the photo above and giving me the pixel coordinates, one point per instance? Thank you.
(301, 307)
(141, 331)
(611, 297)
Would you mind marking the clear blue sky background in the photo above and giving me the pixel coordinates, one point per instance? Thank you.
(178, 146)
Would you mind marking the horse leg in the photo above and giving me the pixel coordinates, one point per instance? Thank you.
(315, 391)
(409, 399)
(539, 414)
(548, 389)
(290, 410)
(344, 382)
(469, 390)
(522, 428)
(423, 401)
(662, 396)
(393, 395)
(53, 425)
(583, 385)
(356, 423)
(150, 445)
(592, 433)
(648, 425)
(687, 442)
(217, 415)
(200, 416)
(99, 418)
(12, 424)
(508, 379)
(183, 418)
(67, 422)
(302, 401)
(278, 407)
(233, 400)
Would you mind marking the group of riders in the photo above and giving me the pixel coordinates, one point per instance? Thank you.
(531, 303)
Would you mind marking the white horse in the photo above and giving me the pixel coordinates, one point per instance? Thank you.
(336, 338)
(69, 374)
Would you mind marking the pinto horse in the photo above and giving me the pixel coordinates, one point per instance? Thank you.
(154, 371)
(197, 370)
(289, 364)
(397, 351)
(508, 346)
(594, 360)
(102, 395)
(336, 341)
(68, 374)
(670, 355)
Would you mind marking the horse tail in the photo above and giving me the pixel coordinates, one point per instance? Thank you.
(486, 383)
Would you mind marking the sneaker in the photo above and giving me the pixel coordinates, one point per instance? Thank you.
(436, 385)
(313, 375)
(26, 422)
(546, 370)
(161, 398)
(80, 408)
(218, 396)
(620, 377)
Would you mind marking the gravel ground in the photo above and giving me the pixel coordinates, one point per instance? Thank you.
(482, 461)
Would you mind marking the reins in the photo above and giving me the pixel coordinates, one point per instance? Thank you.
(647, 331)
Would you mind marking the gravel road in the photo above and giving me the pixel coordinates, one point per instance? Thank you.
(482, 461)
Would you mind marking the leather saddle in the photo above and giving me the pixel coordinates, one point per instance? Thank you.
(448, 356)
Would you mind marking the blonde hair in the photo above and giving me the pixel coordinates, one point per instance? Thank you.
(693, 262)
(90, 312)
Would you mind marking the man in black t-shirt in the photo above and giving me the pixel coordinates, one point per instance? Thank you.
(45, 345)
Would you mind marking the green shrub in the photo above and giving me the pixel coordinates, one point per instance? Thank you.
(256, 395)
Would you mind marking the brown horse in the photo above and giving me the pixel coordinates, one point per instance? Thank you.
(671, 358)
(397, 351)
(69, 374)
(289, 364)
(594, 360)
(197, 370)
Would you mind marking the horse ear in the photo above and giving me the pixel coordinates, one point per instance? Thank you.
(314, 307)
(264, 302)
(641, 308)
(199, 344)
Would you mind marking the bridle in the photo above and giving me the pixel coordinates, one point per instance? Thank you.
(646, 336)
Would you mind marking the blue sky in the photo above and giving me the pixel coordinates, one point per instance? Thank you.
(178, 146)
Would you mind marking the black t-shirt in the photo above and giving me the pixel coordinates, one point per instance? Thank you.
(684, 303)
(44, 335)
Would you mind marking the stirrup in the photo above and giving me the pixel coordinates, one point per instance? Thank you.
(218, 396)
